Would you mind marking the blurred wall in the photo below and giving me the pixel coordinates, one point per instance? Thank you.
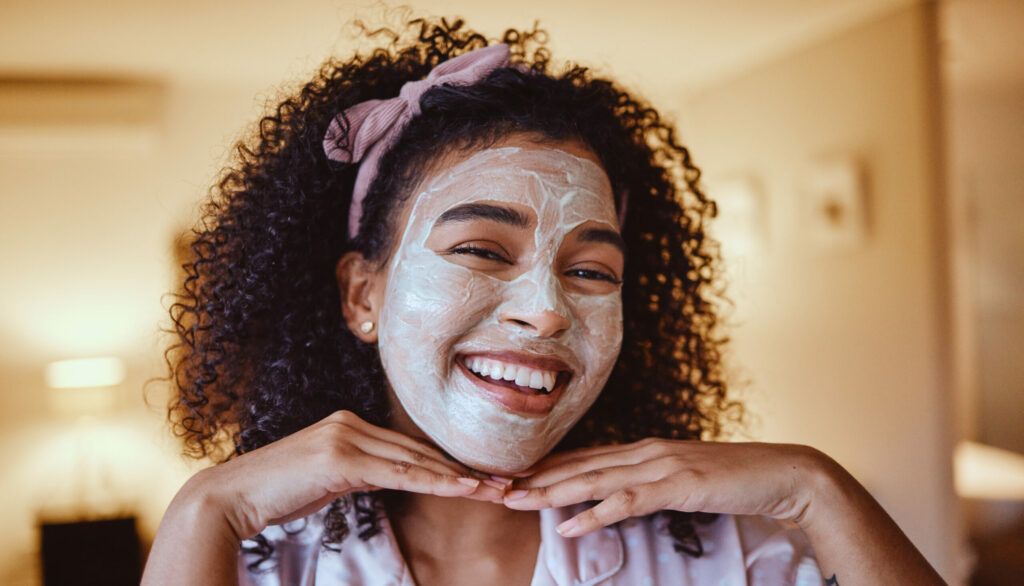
(135, 183)
(985, 119)
(845, 350)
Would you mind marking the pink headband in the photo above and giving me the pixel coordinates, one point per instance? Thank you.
(375, 125)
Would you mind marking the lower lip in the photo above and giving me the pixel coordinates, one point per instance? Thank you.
(511, 399)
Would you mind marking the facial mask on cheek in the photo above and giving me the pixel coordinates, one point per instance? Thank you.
(436, 311)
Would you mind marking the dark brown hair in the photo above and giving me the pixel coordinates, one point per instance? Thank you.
(262, 350)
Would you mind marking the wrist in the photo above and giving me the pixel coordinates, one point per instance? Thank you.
(194, 528)
(200, 506)
(822, 488)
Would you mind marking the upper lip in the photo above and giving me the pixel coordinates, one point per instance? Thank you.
(536, 361)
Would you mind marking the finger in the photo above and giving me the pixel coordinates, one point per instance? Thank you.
(581, 466)
(653, 447)
(591, 485)
(397, 474)
(560, 458)
(403, 453)
(625, 503)
(381, 473)
(386, 435)
(487, 494)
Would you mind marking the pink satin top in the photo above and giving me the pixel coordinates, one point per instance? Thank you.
(738, 550)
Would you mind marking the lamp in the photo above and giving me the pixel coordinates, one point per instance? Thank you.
(84, 386)
(95, 541)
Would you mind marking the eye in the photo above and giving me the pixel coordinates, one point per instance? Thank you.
(591, 274)
(484, 251)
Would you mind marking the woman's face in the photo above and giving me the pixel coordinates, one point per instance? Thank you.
(501, 317)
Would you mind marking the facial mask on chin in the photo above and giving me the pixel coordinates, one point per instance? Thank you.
(437, 314)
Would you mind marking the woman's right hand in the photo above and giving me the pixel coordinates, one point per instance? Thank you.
(294, 477)
(303, 472)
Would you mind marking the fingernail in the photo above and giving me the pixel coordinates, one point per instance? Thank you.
(501, 479)
(514, 495)
(567, 529)
(469, 481)
(494, 484)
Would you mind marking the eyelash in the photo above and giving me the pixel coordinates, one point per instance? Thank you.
(593, 275)
(588, 274)
(481, 252)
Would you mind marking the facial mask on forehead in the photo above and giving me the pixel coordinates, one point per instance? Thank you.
(440, 317)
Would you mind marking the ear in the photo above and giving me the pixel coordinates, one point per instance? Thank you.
(362, 294)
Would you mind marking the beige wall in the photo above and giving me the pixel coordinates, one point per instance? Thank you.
(846, 350)
(986, 124)
(139, 193)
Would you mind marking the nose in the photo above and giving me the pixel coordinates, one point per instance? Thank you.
(535, 303)
(543, 324)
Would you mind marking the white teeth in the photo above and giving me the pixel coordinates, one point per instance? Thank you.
(536, 380)
(510, 373)
(522, 375)
(496, 370)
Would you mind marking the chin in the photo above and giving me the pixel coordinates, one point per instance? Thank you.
(505, 465)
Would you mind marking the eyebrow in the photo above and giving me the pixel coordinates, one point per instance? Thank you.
(483, 211)
(603, 235)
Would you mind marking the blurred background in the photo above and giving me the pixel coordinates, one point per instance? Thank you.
(865, 155)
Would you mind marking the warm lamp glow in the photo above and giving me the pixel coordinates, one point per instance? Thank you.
(85, 373)
(986, 472)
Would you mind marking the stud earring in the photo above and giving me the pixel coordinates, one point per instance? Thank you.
(366, 327)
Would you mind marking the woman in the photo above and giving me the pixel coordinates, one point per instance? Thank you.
(449, 300)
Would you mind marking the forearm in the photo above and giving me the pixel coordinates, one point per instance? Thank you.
(854, 539)
(194, 545)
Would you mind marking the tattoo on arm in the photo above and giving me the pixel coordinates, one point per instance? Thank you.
(832, 581)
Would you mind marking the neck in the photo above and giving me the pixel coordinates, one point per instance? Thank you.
(458, 540)
(442, 529)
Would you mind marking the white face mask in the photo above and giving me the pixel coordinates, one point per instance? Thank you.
(456, 324)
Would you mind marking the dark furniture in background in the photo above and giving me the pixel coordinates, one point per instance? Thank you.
(84, 553)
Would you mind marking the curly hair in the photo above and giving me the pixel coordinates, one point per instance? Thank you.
(261, 347)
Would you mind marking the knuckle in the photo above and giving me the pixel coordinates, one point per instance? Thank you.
(337, 450)
(696, 474)
(678, 463)
(335, 428)
(591, 476)
(659, 447)
(627, 498)
(401, 466)
(588, 517)
(541, 494)
(347, 417)
(416, 457)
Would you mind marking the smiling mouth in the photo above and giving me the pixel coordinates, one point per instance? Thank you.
(529, 380)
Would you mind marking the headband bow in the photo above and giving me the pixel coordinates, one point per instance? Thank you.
(375, 125)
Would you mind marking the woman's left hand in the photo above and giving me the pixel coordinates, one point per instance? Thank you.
(637, 479)
(774, 480)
